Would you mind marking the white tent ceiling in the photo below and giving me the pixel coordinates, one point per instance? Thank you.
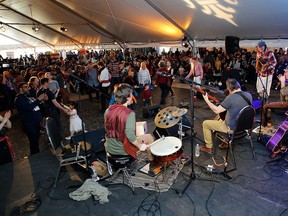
(139, 22)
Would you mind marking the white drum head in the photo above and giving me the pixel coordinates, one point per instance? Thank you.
(165, 146)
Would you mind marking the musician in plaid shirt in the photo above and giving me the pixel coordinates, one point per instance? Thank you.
(265, 66)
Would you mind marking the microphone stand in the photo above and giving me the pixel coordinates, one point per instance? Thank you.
(193, 175)
(263, 98)
(78, 80)
(82, 81)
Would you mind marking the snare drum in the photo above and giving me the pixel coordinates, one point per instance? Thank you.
(166, 149)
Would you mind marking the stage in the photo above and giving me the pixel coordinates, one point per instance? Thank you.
(256, 188)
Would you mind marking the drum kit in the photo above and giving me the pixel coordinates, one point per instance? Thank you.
(169, 148)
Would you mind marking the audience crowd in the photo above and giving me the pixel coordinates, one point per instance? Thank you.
(99, 71)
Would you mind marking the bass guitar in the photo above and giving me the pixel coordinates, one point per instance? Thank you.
(279, 136)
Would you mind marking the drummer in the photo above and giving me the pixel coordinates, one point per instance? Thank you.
(120, 124)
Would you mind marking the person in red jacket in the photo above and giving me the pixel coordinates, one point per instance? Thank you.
(146, 95)
(120, 124)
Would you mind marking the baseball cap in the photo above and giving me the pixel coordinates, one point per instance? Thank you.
(261, 44)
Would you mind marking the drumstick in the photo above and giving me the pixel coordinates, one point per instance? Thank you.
(152, 143)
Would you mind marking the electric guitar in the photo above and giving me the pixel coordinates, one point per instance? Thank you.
(279, 136)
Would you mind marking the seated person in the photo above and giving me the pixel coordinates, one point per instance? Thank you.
(120, 124)
(233, 103)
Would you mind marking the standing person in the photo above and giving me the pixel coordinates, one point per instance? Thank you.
(233, 103)
(143, 74)
(53, 84)
(265, 66)
(115, 72)
(9, 90)
(75, 121)
(120, 126)
(130, 79)
(34, 86)
(170, 70)
(162, 79)
(196, 71)
(104, 78)
(29, 111)
(5, 141)
(92, 80)
(49, 106)
(64, 84)
(146, 96)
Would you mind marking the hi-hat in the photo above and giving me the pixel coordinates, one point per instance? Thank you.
(179, 112)
(165, 118)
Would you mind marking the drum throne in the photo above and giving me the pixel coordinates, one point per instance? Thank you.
(121, 164)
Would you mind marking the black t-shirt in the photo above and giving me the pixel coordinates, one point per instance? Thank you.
(48, 104)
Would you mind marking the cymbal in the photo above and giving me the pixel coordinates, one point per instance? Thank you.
(165, 119)
(180, 112)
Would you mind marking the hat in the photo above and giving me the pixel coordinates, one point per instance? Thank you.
(99, 168)
(261, 44)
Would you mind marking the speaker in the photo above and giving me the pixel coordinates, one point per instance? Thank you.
(231, 44)
(230, 74)
(172, 131)
(94, 137)
(151, 111)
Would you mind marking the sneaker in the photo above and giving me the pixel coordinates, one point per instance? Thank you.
(184, 159)
(205, 149)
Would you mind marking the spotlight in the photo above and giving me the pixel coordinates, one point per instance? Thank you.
(36, 27)
(63, 29)
(184, 39)
(184, 44)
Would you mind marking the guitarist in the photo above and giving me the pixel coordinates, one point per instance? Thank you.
(233, 103)
(265, 66)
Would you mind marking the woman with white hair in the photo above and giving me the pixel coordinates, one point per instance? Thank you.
(143, 74)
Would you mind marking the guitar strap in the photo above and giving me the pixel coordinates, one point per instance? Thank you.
(244, 97)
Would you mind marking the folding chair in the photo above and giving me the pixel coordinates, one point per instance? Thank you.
(64, 156)
(244, 125)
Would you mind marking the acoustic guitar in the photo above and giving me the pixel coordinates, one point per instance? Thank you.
(278, 137)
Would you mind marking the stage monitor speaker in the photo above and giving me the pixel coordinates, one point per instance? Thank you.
(172, 131)
(256, 100)
(151, 111)
(94, 137)
(231, 44)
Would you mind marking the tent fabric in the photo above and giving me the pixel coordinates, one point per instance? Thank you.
(128, 23)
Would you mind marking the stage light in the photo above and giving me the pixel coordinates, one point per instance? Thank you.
(36, 27)
(184, 39)
(185, 44)
(63, 29)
